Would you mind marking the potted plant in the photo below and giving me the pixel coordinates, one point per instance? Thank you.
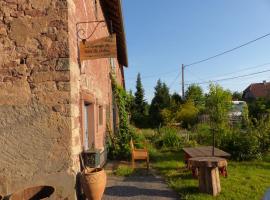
(94, 183)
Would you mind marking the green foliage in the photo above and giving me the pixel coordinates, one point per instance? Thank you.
(218, 105)
(169, 138)
(139, 111)
(176, 99)
(259, 107)
(261, 129)
(195, 93)
(119, 144)
(123, 170)
(187, 114)
(149, 134)
(160, 101)
(241, 145)
(168, 116)
(237, 96)
(202, 134)
(139, 96)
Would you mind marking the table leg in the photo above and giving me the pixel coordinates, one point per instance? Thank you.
(209, 181)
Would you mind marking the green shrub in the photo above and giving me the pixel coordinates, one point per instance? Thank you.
(241, 145)
(188, 114)
(202, 134)
(119, 148)
(149, 134)
(261, 129)
(191, 143)
(170, 138)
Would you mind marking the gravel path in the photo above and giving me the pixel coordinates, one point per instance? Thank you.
(139, 187)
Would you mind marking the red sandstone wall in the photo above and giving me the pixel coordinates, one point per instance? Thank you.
(40, 100)
(92, 78)
(35, 125)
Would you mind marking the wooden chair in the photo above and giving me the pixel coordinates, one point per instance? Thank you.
(138, 154)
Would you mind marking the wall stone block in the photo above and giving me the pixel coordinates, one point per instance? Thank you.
(14, 92)
(14, 2)
(43, 87)
(58, 49)
(63, 86)
(62, 64)
(40, 77)
(51, 98)
(42, 5)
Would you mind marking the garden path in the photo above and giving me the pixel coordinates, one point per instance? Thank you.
(140, 186)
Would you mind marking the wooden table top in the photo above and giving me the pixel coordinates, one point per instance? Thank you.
(207, 162)
(205, 151)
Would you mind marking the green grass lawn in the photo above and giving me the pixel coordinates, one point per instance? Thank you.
(246, 180)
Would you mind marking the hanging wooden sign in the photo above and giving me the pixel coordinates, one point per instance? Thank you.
(100, 48)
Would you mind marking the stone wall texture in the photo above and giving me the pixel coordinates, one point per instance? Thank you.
(92, 78)
(41, 89)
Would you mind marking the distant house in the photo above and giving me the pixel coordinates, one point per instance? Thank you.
(257, 90)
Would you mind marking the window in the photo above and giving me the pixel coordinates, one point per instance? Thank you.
(100, 115)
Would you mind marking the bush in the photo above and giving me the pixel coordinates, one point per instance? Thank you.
(241, 145)
(118, 149)
(188, 114)
(169, 138)
(191, 143)
(261, 129)
(202, 134)
(149, 134)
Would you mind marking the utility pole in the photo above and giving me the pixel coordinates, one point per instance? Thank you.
(183, 82)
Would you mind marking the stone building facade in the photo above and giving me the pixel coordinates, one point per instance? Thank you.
(49, 100)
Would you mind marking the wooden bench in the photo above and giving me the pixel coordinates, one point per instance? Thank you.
(138, 154)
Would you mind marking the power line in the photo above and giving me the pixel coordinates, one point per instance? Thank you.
(241, 70)
(230, 50)
(230, 78)
(196, 76)
(177, 76)
(153, 76)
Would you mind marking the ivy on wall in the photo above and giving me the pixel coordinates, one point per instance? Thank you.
(119, 143)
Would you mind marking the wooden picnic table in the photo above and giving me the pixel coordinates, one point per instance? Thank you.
(205, 151)
(209, 181)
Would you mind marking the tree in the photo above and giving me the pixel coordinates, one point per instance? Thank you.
(218, 105)
(139, 110)
(195, 93)
(176, 98)
(259, 107)
(139, 96)
(188, 114)
(160, 101)
(237, 96)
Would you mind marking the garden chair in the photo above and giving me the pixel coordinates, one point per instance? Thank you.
(138, 154)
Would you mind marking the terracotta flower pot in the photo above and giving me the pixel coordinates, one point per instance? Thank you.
(37, 192)
(94, 183)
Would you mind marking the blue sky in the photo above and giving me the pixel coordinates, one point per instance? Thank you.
(163, 34)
